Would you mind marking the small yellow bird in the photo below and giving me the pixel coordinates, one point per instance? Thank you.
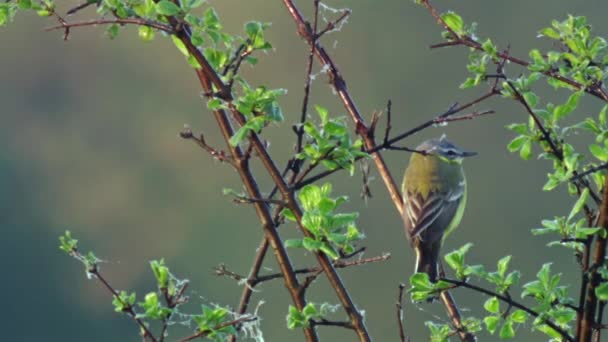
(434, 197)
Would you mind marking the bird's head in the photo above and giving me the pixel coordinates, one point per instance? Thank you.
(443, 149)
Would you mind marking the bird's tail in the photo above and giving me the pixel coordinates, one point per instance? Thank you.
(427, 258)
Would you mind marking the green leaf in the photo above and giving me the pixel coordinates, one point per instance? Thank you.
(517, 143)
(492, 305)
(519, 316)
(454, 22)
(563, 110)
(503, 265)
(239, 136)
(598, 152)
(421, 281)
(549, 33)
(168, 8)
(491, 323)
(507, 331)
(146, 33)
(579, 204)
(602, 291)
(526, 150)
(294, 243)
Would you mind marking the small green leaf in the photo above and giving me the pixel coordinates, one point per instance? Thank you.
(146, 33)
(166, 7)
(492, 305)
(598, 152)
(526, 150)
(454, 22)
(507, 331)
(602, 291)
(579, 204)
(517, 143)
(519, 316)
(491, 323)
(421, 281)
(294, 243)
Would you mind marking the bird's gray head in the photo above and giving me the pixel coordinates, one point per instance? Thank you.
(444, 149)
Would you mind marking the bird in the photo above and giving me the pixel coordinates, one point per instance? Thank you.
(434, 198)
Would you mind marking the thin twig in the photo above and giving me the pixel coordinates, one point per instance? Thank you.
(126, 21)
(200, 141)
(402, 337)
(333, 24)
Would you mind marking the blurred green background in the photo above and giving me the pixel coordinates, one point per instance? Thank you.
(89, 142)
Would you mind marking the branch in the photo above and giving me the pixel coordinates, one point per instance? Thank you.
(402, 337)
(511, 302)
(311, 55)
(200, 141)
(127, 21)
(221, 270)
(588, 320)
(588, 172)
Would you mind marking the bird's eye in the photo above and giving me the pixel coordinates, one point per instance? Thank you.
(451, 153)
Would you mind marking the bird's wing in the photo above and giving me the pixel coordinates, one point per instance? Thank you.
(438, 207)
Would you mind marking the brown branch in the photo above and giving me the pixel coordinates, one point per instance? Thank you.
(402, 337)
(323, 321)
(588, 320)
(258, 200)
(311, 55)
(333, 24)
(200, 141)
(600, 315)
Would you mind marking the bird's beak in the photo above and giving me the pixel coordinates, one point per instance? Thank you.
(468, 154)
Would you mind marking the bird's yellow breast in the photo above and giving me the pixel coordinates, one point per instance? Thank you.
(427, 173)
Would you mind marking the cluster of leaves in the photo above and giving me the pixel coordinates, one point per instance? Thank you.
(330, 143)
(312, 311)
(582, 59)
(572, 232)
(159, 305)
(552, 299)
(259, 106)
(8, 9)
(332, 233)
